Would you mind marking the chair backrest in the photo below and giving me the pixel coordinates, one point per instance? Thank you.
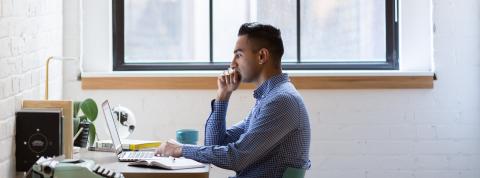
(294, 173)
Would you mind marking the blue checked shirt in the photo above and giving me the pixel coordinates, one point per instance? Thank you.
(275, 135)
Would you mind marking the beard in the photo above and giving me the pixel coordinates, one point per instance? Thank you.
(249, 78)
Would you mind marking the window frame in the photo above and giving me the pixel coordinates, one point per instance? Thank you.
(391, 63)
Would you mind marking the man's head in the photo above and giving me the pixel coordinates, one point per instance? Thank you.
(259, 47)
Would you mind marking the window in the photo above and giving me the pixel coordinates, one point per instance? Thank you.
(200, 34)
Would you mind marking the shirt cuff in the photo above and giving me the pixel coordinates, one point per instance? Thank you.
(219, 106)
(190, 151)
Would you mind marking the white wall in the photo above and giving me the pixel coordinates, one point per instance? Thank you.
(421, 133)
(30, 31)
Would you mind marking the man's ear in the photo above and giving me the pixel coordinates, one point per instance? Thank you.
(264, 56)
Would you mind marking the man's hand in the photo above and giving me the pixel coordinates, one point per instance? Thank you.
(227, 82)
(169, 148)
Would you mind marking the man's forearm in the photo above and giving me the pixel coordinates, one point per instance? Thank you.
(215, 126)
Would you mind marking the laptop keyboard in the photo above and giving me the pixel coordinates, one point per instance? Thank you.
(138, 155)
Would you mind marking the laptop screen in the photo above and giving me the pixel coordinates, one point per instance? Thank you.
(107, 112)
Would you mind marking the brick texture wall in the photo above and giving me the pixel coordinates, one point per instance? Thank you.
(30, 31)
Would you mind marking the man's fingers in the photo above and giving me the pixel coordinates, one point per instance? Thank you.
(157, 151)
(235, 76)
(221, 78)
(160, 150)
(167, 153)
(227, 77)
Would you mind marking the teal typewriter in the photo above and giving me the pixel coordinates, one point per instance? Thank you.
(70, 168)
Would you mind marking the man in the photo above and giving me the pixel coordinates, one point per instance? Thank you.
(276, 133)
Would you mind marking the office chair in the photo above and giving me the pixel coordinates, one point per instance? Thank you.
(294, 173)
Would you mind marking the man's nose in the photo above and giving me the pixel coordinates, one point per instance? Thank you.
(233, 64)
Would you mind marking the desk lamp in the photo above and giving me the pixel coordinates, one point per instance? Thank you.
(48, 62)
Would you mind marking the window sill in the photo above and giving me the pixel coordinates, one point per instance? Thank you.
(301, 79)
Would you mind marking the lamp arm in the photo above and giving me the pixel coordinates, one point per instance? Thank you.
(46, 77)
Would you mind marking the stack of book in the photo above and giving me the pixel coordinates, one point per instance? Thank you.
(127, 144)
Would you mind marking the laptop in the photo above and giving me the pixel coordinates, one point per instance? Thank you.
(124, 156)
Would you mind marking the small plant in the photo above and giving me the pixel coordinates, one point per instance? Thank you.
(90, 112)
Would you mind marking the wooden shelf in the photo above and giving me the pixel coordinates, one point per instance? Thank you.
(313, 82)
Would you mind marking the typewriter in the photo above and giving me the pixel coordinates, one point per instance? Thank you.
(70, 168)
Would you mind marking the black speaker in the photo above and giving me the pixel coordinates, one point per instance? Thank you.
(38, 133)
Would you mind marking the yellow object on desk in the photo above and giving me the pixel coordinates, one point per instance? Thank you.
(128, 144)
(141, 146)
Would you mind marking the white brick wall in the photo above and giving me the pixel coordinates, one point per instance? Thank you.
(30, 31)
(411, 133)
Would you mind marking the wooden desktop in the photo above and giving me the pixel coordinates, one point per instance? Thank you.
(109, 161)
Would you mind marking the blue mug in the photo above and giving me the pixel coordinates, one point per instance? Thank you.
(187, 136)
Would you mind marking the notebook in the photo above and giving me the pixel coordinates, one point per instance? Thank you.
(168, 163)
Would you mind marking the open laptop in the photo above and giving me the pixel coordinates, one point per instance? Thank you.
(122, 155)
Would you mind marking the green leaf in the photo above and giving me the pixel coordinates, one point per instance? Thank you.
(83, 118)
(76, 108)
(91, 134)
(89, 108)
(76, 123)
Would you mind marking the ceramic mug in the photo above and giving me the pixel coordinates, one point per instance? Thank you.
(187, 136)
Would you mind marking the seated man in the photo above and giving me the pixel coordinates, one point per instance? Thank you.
(275, 134)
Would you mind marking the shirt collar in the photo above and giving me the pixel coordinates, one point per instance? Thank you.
(269, 84)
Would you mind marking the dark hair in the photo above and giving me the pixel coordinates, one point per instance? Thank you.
(264, 36)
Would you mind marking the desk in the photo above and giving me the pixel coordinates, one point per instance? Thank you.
(110, 161)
